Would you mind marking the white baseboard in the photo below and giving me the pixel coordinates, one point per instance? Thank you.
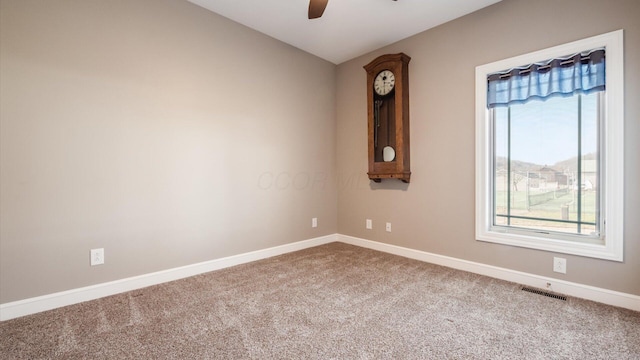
(51, 301)
(600, 295)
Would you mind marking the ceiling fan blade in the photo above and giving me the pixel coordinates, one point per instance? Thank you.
(316, 8)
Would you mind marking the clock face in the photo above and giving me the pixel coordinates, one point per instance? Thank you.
(384, 82)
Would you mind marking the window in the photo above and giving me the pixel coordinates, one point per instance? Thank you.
(549, 149)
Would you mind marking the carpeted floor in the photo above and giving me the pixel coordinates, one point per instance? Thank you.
(334, 301)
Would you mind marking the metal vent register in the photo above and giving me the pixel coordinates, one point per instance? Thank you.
(544, 293)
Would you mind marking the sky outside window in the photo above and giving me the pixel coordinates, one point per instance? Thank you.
(546, 132)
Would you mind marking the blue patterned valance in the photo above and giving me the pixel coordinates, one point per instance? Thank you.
(579, 73)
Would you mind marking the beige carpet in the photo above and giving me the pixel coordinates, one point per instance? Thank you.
(334, 301)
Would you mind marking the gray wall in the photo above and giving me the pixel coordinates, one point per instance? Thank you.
(435, 213)
(158, 130)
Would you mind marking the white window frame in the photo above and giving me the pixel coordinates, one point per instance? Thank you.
(612, 154)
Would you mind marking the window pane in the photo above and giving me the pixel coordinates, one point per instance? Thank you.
(590, 162)
(546, 165)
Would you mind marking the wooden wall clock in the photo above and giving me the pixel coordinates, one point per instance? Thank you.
(388, 117)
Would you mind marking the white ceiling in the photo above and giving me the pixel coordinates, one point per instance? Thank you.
(348, 28)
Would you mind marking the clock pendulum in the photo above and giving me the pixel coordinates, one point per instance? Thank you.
(376, 121)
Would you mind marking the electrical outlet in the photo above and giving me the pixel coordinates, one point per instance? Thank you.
(97, 257)
(560, 265)
(314, 222)
(369, 224)
(388, 227)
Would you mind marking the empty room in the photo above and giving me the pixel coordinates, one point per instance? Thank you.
(312, 179)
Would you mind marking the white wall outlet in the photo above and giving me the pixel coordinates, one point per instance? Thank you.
(388, 227)
(314, 222)
(369, 224)
(560, 265)
(97, 256)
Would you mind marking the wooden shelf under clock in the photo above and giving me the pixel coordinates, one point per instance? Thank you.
(388, 117)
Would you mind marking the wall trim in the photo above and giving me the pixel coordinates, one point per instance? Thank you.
(600, 295)
(51, 301)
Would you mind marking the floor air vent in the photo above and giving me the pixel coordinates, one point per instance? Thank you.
(544, 293)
